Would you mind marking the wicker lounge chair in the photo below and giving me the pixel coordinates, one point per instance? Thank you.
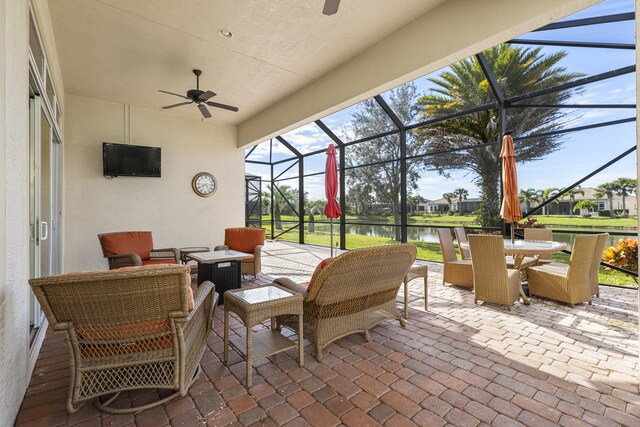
(128, 329)
(493, 282)
(543, 234)
(134, 248)
(595, 265)
(352, 294)
(456, 272)
(567, 283)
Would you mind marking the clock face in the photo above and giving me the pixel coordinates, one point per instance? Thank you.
(204, 184)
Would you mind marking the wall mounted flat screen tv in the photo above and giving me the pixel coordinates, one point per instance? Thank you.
(130, 160)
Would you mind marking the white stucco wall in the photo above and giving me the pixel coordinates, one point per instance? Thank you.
(167, 206)
(14, 197)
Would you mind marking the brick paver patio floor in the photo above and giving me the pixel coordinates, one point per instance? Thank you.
(457, 364)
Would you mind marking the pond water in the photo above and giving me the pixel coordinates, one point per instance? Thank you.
(431, 235)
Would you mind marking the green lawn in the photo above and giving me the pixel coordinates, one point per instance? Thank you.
(553, 221)
(426, 250)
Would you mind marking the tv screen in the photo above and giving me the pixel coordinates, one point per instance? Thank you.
(130, 160)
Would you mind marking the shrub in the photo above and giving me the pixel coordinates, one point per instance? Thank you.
(605, 213)
(624, 254)
(530, 223)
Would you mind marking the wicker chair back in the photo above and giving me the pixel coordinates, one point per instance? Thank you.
(595, 264)
(538, 234)
(461, 237)
(580, 266)
(544, 234)
(361, 274)
(446, 245)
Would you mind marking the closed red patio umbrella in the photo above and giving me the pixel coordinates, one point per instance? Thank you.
(510, 210)
(331, 208)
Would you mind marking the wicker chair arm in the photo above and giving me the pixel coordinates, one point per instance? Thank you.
(221, 248)
(124, 260)
(291, 285)
(165, 253)
(204, 291)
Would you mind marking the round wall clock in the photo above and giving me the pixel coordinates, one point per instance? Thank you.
(204, 184)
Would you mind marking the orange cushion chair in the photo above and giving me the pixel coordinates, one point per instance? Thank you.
(247, 240)
(129, 329)
(134, 248)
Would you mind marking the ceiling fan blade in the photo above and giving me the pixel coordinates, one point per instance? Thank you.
(223, 106)
(177, 105)
(208, 94)
(204, 111)
(330, 7)
(171, 93)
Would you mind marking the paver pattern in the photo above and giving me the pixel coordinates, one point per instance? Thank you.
(459, 364)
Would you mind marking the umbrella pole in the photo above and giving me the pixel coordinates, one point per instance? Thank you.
(513, 224)
(331, 239)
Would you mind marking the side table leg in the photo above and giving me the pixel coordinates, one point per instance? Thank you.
(249, 360)
(426, 294)
(226, 335)
(300, 340)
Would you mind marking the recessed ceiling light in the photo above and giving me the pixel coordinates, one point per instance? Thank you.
(223, 32)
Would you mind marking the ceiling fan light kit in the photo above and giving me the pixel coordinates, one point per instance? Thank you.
(199, 97)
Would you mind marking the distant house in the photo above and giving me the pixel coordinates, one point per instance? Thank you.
(437, 206)
(466, 206)
(602, 204)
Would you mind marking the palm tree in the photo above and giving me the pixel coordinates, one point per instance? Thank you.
(625, 187)
(414, 201)
(281, 200)
(449, 197)
(461, 194)
(607, 190)
(463, 86)
(546, 194)
(528, 196)
(571, 194)
(312, 208)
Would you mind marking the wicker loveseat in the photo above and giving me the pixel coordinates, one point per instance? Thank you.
(352, 294)
(128, 329)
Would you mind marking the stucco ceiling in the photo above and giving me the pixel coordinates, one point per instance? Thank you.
(124, 51)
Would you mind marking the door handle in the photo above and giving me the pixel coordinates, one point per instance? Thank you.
(44, 230)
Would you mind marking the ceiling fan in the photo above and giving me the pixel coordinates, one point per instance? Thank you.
(200, 97)
(330, 7)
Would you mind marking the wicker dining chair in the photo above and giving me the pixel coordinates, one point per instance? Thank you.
(456, 272)
(493, 282)
(567, 283)
(595, 265)
(461, 237)
(352, 294)
(128, 329)
(544, 234)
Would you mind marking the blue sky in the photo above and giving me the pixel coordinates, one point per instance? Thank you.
(581, 152)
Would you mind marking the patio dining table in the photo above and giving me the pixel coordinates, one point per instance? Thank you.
(520, 249)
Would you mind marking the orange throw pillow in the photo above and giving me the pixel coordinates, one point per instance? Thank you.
(317, 271)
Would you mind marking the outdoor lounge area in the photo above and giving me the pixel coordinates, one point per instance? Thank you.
(457, 363)
(320, 212)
